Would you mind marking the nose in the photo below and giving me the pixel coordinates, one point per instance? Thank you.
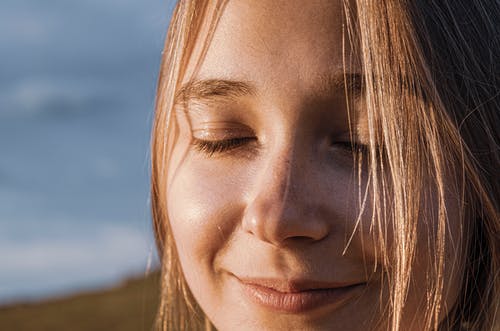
(284, 207)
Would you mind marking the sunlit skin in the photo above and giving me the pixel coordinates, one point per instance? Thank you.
(262, 183)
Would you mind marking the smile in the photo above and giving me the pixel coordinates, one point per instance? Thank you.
(298, 297)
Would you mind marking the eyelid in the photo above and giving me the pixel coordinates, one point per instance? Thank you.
(352, 146)
(221, 131)
(350, 143)
(212, 147)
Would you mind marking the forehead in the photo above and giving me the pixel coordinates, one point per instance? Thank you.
(297, 43)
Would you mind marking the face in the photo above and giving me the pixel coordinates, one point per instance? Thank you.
(263, 191)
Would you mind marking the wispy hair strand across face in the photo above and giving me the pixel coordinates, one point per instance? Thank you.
(431, 93)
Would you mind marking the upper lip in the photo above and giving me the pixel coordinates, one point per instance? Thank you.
(295, 285)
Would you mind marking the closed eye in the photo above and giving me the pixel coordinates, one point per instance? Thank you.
(352, 147)
(211, 147)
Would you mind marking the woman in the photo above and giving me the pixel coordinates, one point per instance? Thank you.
(328, 165)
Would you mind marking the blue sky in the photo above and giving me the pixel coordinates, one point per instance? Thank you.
(77, 84)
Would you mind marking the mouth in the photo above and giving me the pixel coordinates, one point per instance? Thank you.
(300, 295)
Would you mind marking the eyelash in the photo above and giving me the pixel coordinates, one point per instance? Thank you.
(352, 147)
(212, 147)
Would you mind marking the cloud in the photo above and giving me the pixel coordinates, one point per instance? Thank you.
(25, 27)
(50, 96)
(50, 22)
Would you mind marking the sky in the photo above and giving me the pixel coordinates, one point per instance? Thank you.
(77, 88)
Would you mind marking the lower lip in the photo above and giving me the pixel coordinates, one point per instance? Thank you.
(303, 301)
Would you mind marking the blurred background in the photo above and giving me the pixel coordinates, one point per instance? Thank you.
(77, 88)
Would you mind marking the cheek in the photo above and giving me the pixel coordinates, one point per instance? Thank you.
(203, 209)
(195, 203)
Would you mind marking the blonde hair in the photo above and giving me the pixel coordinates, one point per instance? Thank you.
(432, 96)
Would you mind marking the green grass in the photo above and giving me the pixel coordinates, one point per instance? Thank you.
(130, 306)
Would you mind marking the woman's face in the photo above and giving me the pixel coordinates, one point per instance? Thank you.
(263, 191)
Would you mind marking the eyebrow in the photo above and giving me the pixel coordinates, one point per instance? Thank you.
(350, 83)
(207, 90)
(212, 89)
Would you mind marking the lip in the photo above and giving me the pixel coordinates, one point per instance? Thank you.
(299, 296)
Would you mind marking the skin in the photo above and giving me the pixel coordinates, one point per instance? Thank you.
(286, 197)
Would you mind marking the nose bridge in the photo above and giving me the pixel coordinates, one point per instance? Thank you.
(276, 211)
(276, 181)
